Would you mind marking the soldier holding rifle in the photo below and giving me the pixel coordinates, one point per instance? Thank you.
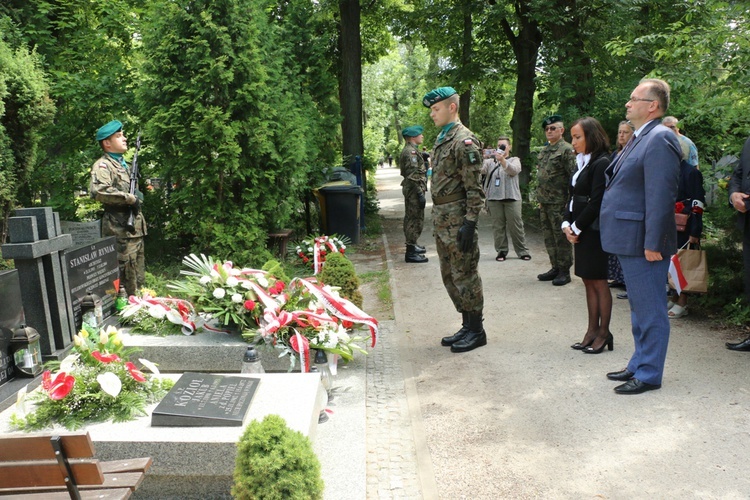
(115, 185)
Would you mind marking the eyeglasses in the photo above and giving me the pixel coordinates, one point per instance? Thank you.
(551, 128)
(673, 127)
(636, 99)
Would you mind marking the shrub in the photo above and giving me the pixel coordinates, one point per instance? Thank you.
(275, 463)
(339, 271)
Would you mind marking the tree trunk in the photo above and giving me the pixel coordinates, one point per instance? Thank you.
(350, 83)
(526, 49)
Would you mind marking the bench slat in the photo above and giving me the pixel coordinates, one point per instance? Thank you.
(24, 447)
(131, 465)
(48, 473)
(113, 494)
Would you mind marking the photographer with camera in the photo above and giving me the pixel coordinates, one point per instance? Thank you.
(503, 195)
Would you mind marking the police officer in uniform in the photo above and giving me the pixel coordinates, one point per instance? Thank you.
(413, 187)
(457, 198)
(557, 163)
(110, 185)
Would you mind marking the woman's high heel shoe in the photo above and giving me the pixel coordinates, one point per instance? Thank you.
(609, 344)
(579, 346)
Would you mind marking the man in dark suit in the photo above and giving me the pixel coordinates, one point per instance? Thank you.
(739, 197)
(637, 224)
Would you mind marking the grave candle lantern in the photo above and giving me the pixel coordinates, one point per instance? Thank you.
(26, 351)
(91, 310)
(321, 363)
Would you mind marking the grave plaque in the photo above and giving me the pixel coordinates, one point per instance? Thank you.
(83, 233)
(11, 317)
(93, 268)
(204, 400)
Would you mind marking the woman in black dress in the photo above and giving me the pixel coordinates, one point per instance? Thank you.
(581, 226)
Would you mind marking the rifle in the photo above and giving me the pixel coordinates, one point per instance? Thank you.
(130, 226)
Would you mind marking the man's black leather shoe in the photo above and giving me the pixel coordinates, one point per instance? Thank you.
(561, 279)
(470, 341)
(739, 346)
(635, 386)
(621, 376)
(419, 249)
(549, 275)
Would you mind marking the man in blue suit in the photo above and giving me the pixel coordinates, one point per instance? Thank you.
(637, 224)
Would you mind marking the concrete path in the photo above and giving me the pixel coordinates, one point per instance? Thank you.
(528, 417)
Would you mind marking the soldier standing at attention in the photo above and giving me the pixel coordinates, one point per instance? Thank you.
(557, 162)
(413, 187)
(110, 185)
(457, 198)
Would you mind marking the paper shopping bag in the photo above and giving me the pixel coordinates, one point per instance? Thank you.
(694, 266)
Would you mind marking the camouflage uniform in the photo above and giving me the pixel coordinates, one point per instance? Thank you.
(110, 185)
(457, 160)
(556, 166)
(414, 173)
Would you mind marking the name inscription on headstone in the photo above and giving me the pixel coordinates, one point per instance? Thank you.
(93, 268)
(83, 233)
(205, 400)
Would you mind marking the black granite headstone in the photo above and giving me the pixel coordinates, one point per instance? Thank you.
(11, 317)
(93, 268)
(83, 233)
(204, 400)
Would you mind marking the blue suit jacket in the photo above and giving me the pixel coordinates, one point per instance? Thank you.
(637, 210)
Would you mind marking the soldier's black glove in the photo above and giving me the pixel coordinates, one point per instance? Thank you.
(422, 201)
(465, 236)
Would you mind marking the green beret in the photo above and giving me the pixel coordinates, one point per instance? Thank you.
(412, 131)
(551, 119)
(437, 95)
(108, 129)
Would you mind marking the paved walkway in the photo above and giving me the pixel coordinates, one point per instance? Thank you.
(528, 417)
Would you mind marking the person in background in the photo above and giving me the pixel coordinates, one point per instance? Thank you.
(739, 197)
(581, 227)
(691, 198)
(503, 194)
(556, 165)
(689, 150)
(457, 199)
(637, 223)
(614, 271)
(110, 185)
(413, 188)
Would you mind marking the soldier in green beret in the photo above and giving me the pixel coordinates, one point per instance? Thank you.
(457, 198)
(110, 185)
(557, 162)
(413, 187)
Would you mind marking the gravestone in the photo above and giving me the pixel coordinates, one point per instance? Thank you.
(83, 233)
(93, 269)
(204, 400)
(11, 317)
(35, 247)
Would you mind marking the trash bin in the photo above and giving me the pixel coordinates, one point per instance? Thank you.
(339, 208)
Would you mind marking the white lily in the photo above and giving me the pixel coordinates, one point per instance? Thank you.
(151, 366)
(68, 364)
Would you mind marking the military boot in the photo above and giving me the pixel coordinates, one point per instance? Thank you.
(549, 275)
(562, 279)
(475, 337)
(419, 249)
(413, 256)
(448, 341)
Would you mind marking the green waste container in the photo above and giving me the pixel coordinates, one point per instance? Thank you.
(339, 208)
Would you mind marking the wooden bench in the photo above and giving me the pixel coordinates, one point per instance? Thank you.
(63, 466)
(280, 237)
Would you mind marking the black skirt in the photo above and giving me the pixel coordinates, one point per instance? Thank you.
(591, 261)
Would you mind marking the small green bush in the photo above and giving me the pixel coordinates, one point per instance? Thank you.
(275, 463)
(339, 271)
(276, 269)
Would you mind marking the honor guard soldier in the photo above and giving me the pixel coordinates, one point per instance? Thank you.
(557, 162)
(110, 185)
(457, 198)
(413, 187)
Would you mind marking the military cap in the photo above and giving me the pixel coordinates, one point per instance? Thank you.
(108, 129)
(551, 119)
(437, 95)
(412, 131)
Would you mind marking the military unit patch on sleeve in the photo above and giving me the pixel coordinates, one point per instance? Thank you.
(468, 142)
(102, 165)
